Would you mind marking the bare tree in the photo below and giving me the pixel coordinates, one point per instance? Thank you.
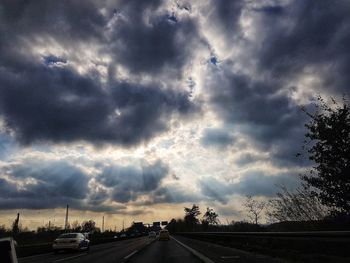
(89, 226)
(76, 226)
(299, 205)
(255, 208)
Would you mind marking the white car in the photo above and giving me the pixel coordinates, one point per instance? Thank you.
(71, 241)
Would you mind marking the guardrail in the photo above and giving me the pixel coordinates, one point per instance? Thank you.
(336, 243)
(336, 234)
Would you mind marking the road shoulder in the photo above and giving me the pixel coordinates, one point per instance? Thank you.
(217, 253)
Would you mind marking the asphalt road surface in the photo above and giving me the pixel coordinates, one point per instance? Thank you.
(103, 253)
(144, 250)
(164, 252)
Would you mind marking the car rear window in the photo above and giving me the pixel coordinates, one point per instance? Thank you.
(68, 236)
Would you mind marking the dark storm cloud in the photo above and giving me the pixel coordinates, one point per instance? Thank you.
(145, 110)
(241, 99)
(56, 104)
(311, 35)
(246, 159)
(64, 20)
(42, 185)
(148, 44)
(97, 196)
(129, 182)
(271, 9)
(54, 178)
(7, 188)
(252, 183)
(25, 23)
(52, 104)
(173, 193)
(215, 190)
(257, 183)
(261, 111)
(227, 13)
(216, 137)
(53, 184)
(48, 100)
(303, 37)
(35, 184)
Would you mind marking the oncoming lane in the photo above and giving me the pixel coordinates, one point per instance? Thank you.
(103, 253)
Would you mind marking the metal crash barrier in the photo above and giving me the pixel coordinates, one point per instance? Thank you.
(7, 250)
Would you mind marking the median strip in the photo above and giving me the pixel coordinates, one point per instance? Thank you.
(194, 252)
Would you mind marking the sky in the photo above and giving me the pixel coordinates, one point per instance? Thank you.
(133, 110)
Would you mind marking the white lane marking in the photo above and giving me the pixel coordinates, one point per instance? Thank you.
(68, 258)
(134, 252)
(35, 256)
(224, 257)
(194, 252)
(130, 255)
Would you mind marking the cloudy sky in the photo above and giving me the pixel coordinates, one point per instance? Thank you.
(135, 109)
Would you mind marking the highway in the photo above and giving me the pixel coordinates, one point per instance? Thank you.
(184, 249)
(137, 250)
(132, 250)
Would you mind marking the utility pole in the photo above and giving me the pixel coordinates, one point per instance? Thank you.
(66, 222)
(103, 223)
(49, 225)
(123, 225)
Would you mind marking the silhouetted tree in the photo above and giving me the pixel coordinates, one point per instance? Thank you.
(137, 228)
(172, 226)
(191, 215)
(210, 217)
(76, 227)
(328, 146)
(297, 205)
(88, 226)
(255, 208)
(3, 231)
